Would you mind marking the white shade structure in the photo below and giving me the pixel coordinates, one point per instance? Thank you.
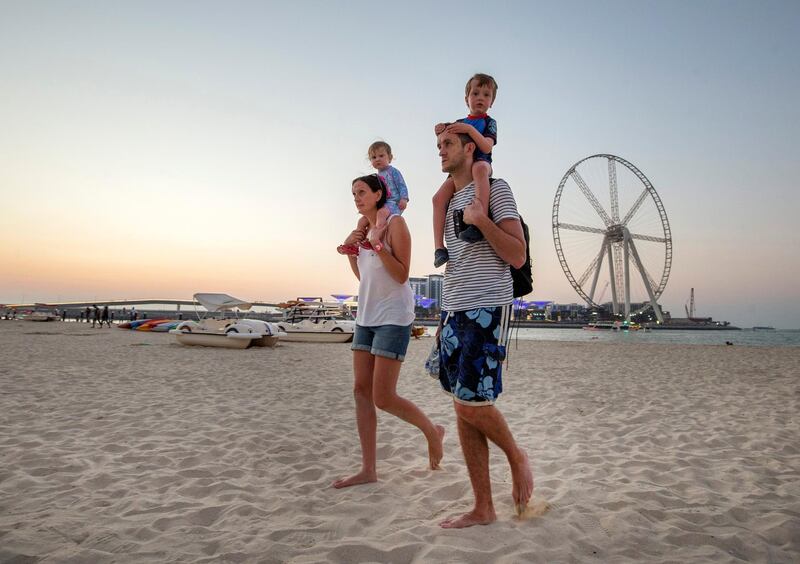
(220, 302)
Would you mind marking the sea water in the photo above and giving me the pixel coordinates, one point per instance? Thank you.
(745, 337)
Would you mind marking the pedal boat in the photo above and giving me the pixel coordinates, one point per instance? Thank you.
(232, 333)
(311, 320)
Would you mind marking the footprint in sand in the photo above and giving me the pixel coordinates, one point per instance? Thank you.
(536, 508)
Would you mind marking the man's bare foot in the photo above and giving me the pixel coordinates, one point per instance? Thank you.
(436, 450)
(470, 519)
(360, 478)
(522, 482)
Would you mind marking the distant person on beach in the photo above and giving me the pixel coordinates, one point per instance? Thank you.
(479, 94)
(383, 330)
(96, 315)
(380, 156)
(476, 305)
(88, 313)
(104, 317)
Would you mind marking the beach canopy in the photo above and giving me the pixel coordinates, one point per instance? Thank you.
(219, 302)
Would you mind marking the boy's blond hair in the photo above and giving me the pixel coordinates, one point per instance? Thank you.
(377, 146)
(482, 80)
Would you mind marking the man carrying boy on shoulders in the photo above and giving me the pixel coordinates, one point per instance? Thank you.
(476, 306)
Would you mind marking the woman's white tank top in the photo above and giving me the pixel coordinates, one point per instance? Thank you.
(381, 299)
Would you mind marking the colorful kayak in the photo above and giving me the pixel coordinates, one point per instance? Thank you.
(146, 324)
(150, 324)
(165, 326)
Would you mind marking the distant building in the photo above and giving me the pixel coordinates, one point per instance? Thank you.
(435, 282)
(419, 285)
(565, 312)
(428, 288)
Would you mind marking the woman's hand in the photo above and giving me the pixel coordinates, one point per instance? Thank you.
(355, 237)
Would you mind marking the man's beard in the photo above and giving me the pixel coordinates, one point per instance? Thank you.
(450, 166)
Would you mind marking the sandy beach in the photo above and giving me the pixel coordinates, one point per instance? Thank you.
(121, 446)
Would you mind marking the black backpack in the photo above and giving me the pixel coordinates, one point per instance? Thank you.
(523, 276)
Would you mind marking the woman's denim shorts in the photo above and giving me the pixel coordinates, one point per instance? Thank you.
(390, 341)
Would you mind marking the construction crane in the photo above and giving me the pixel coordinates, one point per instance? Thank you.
(690, 310)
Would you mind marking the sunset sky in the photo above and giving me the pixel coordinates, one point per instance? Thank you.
(165, 148)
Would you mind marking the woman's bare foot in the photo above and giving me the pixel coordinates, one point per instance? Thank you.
(470, 519)
(522, 482)
(360, 478)
(436, 449)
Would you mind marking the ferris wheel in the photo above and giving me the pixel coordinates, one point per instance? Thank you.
(607, 211)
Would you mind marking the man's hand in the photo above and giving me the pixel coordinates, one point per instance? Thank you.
(458, 128)
(402, 204)
(473, 213)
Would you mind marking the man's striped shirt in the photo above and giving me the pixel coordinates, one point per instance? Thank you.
(475, 276)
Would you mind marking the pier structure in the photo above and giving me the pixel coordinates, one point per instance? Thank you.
(119, 303)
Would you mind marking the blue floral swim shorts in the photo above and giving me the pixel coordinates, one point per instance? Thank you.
(471, 353)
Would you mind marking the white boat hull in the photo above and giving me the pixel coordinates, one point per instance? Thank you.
(39, 316)
(318, 331)
(231, 334)
(317, 336)
(215, 339)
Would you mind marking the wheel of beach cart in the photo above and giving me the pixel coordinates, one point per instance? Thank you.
(610, 228)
